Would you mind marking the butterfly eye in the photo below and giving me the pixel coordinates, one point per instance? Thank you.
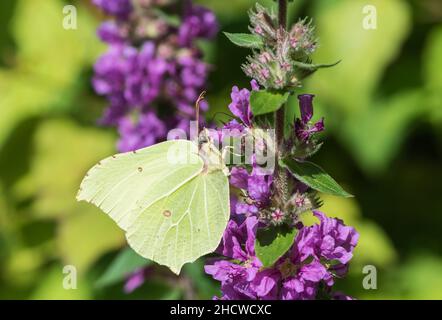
(203, 140)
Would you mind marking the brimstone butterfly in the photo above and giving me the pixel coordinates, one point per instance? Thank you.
(171, 199)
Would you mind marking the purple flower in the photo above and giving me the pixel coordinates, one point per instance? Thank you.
(237, 243)
(246, 208)
(155, 76)
(242, 281)
(240, 105)
(138, 134)
(303, 129)
(306, 107)
(239, 178)
(303, 284)
(111, 70)
(198, 22)
(257, 184)
(111, 33)
(334, 240)
(235, 129)
(118, 8)
(296, 276)
(134, 281)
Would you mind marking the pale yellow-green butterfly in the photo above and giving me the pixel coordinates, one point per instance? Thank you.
(171, 199)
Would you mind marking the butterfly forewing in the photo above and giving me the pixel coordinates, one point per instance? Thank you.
(172, 210)
(120, 183)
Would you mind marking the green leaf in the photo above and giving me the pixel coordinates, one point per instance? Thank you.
(289, 116)
(314, 67)
(263, 101)
(313, 176)
(124, 264)
(205, 287)
(273, 242)
(245, 40)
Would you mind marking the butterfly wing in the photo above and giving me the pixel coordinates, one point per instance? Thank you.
(184, 225)
(171, 210)
(118, 184)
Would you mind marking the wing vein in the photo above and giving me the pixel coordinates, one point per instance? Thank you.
(205, 209)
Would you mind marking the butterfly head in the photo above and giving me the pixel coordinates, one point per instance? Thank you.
(212, 157)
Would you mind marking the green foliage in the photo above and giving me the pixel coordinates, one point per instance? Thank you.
(245, 40)
(289, 115)
(121, 267)
(204, 286)
(433, 77)
(57, 168)
(50, 287)
(314, 176)
(273, 242)
(48, 61)
(352, 88)
(98, 236)
(263, 101)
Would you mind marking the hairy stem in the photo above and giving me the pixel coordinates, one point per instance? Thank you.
(281, 176)
(282, 13)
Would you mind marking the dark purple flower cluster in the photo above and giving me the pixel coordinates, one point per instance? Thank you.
(303, 129)
(152, 73)
(319, 255)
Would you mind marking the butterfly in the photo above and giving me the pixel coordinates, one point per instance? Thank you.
(171, 199)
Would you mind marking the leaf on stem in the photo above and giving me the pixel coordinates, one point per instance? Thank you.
(127, 262)
(263, 101)
(273, 242)
(314, 176)
(245, 40)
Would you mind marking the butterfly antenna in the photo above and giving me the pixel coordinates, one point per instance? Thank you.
(197, 107)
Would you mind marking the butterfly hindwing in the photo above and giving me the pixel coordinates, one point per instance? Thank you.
(190, 224)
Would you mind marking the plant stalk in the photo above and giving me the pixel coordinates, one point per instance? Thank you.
(281, 176)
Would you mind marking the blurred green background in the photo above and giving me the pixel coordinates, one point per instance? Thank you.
(383, 109)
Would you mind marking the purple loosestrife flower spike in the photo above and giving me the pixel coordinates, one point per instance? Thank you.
(320, 253)
(150, 79)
